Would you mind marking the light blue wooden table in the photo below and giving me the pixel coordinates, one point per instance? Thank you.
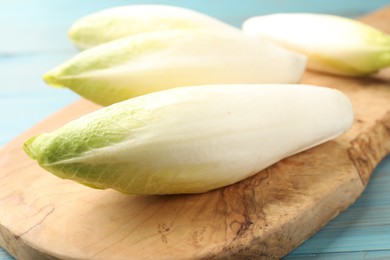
(33, 39)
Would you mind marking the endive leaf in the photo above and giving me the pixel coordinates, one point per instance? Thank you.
(118, 22)
(333, 44)
(191, 139)
(154, 61)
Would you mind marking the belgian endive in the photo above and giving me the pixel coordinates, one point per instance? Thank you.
(154, 61)
(118, 22)
(333, 44)
(191, 139)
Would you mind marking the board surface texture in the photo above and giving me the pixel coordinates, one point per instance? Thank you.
(265, 216)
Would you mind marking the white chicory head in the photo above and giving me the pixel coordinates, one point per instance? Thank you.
(191, 139)
(333, 44)
(118, 22)
(154, 61)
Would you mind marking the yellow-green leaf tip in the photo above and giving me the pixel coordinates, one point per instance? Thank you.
(29, 148)
(51, 78)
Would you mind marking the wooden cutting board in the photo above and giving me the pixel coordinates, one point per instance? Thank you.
(265, 216)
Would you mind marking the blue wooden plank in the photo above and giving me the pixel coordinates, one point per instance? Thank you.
(4, 255)
(21, 75)
(24, 98)
(24, 113)
(366, 255)
(365, 226)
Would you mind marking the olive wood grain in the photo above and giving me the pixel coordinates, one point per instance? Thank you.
(265, 216)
